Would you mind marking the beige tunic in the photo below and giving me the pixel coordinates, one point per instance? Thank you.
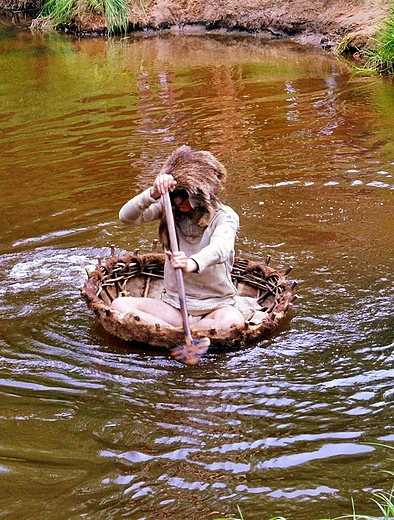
(212, 248)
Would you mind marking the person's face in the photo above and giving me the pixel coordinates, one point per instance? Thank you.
(181, 199)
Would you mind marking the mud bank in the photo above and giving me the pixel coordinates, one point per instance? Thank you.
(322, 23)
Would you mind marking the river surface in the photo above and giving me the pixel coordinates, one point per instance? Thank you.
(91, 427)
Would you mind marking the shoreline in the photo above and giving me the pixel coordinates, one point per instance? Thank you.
(320, 24)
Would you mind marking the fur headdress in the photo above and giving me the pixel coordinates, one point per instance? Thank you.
(202, 176)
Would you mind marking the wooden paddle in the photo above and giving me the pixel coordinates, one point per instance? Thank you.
(192, 350)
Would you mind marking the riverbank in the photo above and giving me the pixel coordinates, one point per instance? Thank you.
(320, 23)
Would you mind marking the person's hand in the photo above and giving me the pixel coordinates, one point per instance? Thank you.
(163, 183)
(179, 260)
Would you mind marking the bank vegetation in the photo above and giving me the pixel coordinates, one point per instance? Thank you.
(357, 27)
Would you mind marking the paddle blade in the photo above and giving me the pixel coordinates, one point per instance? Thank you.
(191, 352)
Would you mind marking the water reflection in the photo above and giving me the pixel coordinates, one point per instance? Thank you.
(99, 428)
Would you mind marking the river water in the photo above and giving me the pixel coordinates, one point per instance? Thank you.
(92, 428)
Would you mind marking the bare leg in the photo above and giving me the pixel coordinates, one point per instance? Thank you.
(222, 318)
(154, 311)
(149, 310)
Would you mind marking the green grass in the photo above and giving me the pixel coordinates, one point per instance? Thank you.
(380, 57)
(61, 12)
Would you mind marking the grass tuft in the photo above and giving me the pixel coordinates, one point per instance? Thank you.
(61, 12)
(381, 56)
(345, 45)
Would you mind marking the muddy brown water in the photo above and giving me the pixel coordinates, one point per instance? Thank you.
(90, 427)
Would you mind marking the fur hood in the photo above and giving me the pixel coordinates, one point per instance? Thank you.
(202, 176)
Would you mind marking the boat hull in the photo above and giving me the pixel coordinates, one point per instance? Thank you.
(141, 275)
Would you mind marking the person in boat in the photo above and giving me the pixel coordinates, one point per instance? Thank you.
(206, 231)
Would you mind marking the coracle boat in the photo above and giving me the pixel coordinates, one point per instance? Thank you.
(141, 275)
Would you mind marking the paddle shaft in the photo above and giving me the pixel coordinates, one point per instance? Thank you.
(178, 270)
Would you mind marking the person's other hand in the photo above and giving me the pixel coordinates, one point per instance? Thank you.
(179, 260)
(163, 183)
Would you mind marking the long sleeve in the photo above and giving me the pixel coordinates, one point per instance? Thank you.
(221, 245)
(211, 286)
(141, 208)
